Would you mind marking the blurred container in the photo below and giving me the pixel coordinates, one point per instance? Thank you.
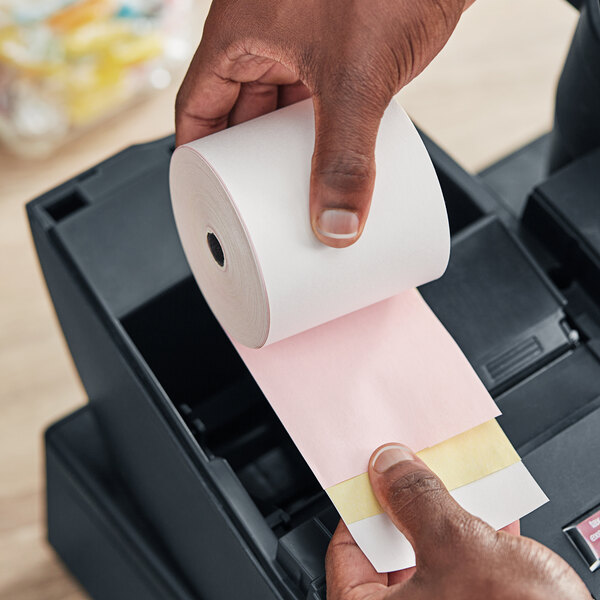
(65, 65)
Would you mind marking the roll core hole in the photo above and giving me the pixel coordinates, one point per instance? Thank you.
(215, 248)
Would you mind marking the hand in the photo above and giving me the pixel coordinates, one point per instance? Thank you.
(351, 56)
(458, 555)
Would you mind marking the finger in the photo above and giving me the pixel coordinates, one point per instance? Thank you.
(211, 88)
(347, 568)
(223, 90)
(203, 103)
(277, 73)
(292, 93)
(514, 528)
(255, 99)
(343, 169)
(397, 577)
(420, 506)
(259, 93)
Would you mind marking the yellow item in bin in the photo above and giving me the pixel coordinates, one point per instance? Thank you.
(96, 37)
(136, 49)
(79, 79)
(21, 49)
(91, 89)
(81, 12)
(86, 107)
(68, 63)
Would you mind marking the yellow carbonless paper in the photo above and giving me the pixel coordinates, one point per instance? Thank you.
(457, 461)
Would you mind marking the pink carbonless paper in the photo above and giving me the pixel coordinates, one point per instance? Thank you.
(387, 373)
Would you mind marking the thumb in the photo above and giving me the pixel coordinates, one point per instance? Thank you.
(420, 506)
(343, 169)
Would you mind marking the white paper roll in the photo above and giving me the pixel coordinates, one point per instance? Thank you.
(244, 191)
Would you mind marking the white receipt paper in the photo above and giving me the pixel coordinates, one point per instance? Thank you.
(343, 347)
(249, 186)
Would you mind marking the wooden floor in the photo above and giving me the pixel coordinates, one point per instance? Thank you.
(490, 91)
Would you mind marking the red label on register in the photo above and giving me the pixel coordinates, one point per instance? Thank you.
(590, 531)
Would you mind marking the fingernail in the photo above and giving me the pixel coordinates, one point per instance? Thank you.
(391, 455)
(338, 224)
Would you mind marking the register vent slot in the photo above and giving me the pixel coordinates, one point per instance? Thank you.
(520, 354)
(66, 206)
(204, 377)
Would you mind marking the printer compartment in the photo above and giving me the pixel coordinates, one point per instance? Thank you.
(509, 321)
(208, 383)
(201, 450)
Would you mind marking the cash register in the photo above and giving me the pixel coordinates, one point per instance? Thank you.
(176, 480)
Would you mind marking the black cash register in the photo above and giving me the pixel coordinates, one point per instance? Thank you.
(177, 480)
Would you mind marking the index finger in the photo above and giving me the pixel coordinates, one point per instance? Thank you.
(347, 568)
(203, 103)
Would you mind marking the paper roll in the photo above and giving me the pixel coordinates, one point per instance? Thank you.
(240, 199)
(361, 360)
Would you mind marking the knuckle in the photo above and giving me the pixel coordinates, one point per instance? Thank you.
(447, 13)
(358, 72)
(307, 62)
(344, 172)
(538, 564)
(364, 80)
(355, 165)
(257, 90)
(206, 121)
(535, 556)
(410, 490)
(181, 100)
(464, 527)
(469, 537)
